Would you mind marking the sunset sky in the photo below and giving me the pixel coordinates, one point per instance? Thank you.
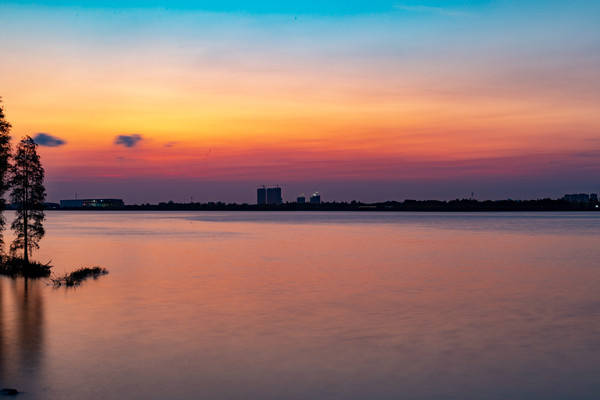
(374, 100)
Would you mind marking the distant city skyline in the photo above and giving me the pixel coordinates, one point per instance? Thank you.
(157, 101)
(243, 192)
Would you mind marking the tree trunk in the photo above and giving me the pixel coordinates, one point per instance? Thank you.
(25, 239)
(25, 206)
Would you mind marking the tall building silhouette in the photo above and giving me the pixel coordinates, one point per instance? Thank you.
(274, 195)
(268, 195)
(261, 195)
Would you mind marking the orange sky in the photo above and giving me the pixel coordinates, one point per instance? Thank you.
(258, 98)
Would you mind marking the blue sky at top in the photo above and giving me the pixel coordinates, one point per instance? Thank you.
(285, 7)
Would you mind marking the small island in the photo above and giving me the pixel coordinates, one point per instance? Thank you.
(22, 176)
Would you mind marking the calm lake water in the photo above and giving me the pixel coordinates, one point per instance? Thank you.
(310, 306)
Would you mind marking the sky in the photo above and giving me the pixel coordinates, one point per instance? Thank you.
(368, 100)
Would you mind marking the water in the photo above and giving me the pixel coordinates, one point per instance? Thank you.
(310, 306)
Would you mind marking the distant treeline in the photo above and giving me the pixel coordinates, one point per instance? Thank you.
(406, 205)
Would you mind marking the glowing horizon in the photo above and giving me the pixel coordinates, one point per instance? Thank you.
(456, 94)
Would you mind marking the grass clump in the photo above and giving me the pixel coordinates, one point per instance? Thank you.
(79, 275)
(15, 266)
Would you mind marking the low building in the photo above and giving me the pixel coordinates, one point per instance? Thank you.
(301, 199)
(315, 198)
(92, 203)
(577, 198)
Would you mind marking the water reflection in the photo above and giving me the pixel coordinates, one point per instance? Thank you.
(21, 330)
(350, 309)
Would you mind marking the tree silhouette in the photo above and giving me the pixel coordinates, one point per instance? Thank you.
(4, 158)
(28, 194)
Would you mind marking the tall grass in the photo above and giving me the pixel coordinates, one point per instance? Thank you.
(79, 275)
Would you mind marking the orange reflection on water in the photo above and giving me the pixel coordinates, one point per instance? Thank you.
(323, 305)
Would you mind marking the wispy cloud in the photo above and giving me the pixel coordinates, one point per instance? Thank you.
(128, 140)
(45, 139)
(435, 10)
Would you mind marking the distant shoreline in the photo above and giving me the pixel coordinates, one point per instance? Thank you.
(465, 205)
